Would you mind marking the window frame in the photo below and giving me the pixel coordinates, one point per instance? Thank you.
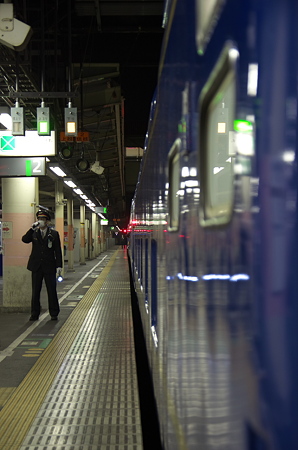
(224, 70)
(173, 158)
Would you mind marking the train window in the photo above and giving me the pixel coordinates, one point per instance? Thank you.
(217, 114)
(174, 183)
(207, 13)
(153, 283)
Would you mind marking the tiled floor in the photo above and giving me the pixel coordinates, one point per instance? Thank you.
(92, 402)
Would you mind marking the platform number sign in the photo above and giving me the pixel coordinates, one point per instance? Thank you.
(22, 167)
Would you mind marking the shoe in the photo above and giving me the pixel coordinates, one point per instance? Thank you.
(33, 318)
(54, 318)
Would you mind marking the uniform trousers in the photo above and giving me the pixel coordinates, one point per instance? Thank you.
(50, 280)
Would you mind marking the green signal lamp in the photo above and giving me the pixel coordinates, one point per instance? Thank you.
(43, 121)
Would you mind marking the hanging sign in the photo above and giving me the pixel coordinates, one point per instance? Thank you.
(29, 145)
(22, 167)
(83, 136)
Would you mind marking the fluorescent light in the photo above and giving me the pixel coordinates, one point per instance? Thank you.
(84, 197)
(58, 171)
(78, 191)
(70, 183)
(6, 120)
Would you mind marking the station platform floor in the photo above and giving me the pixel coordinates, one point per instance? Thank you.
(71, 384)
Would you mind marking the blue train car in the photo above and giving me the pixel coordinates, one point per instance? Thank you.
(214, 225)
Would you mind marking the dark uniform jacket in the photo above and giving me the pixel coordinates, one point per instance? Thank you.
(46, 252)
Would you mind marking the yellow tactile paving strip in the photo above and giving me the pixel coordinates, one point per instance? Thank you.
(5, 393)
(20, 409)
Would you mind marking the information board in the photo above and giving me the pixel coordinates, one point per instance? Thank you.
(29, 145)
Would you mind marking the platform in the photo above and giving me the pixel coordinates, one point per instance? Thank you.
(72, 384)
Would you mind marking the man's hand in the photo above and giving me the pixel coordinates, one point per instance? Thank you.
(58, 271)
(34, 225)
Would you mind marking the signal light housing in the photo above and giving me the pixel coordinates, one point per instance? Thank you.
(18, 121)
(71, 121)
(43, 121)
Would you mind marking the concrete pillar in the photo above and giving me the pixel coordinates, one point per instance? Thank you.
(104, 232)
(82, 234)
(70, 232)
(99, 236)
(102, 239)
(19, 205)
(94, 236)
(86, 237)
(59, 213)
(90, 238)
(97, 247)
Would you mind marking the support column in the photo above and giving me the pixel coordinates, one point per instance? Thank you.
(86, 238)
(105, 246)
(19, 205)
(93, 236)
(70, 232)
(90, 238)
(100, 236)
(102, 239)
(82, 234)
(97, 247)
(59, 215)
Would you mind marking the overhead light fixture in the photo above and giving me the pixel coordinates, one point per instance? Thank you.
(82, 165)
(70, 183)
(78, 191)
(57, 170)
(43, 121)
(18, 121)
(71, 121)
(6, 120)
(66, 152)
(84, 197)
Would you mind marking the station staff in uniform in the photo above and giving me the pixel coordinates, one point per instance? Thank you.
(44, 262)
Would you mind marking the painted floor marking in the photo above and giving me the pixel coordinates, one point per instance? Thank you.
(21, 408)
(8, 351)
